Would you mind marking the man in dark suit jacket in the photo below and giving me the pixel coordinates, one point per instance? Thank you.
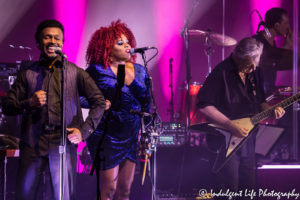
(36, 94)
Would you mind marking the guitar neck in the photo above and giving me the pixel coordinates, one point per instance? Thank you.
(270, 112)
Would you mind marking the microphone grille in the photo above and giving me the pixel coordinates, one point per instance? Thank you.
(131, 51)
(57, 48)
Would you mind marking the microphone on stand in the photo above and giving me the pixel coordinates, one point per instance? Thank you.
(263, 24)
(140, 50)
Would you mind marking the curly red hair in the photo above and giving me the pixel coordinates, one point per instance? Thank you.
(104, 39)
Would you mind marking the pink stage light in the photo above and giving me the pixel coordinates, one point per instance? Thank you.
(81, 167)
(262, 7)
(169, 21)
(72, 15)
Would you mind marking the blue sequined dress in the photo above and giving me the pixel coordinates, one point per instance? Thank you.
(121, 139)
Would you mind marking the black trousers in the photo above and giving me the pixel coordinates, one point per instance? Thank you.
(32, 165)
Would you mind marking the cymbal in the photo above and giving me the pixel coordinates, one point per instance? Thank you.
(216, 38)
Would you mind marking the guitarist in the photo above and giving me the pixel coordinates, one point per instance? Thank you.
(233, 90)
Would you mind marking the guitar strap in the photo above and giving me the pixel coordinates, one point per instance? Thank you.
(250, 86)
(252, 81)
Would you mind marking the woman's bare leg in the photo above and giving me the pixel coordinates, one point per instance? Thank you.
(108, 183)
(125, 178)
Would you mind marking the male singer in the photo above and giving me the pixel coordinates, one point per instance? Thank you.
(37, 95)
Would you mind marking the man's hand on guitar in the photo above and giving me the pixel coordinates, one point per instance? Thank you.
(279, 112)
(236, 129)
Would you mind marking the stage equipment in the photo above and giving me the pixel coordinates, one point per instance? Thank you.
(266, 137)
(9, 125)
(172, 135)
(5, 154)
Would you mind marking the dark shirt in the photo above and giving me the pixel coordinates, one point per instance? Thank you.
(39, 77)
(272, 60)
(50, 83)
(225, 90)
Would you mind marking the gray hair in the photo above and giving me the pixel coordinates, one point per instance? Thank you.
(248, 48)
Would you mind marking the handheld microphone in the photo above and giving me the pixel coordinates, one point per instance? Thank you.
(140, 50)
(58, 51)
(263, 24)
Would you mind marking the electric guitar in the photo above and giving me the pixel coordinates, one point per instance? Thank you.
(233, 143)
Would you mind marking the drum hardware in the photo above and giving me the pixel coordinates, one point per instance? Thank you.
(208, 51)
(281, 93)
(22, 48)
(211, 38)
(214, 38)
(195, 115)
(192, 89)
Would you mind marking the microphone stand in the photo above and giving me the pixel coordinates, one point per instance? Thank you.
(185, 34)
(208, 51)
(148, 140)
(156, 121)
(98, 159)
(171, 88)
(62, 146)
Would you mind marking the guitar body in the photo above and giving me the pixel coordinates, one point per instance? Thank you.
(232, 143)
(235, 141)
